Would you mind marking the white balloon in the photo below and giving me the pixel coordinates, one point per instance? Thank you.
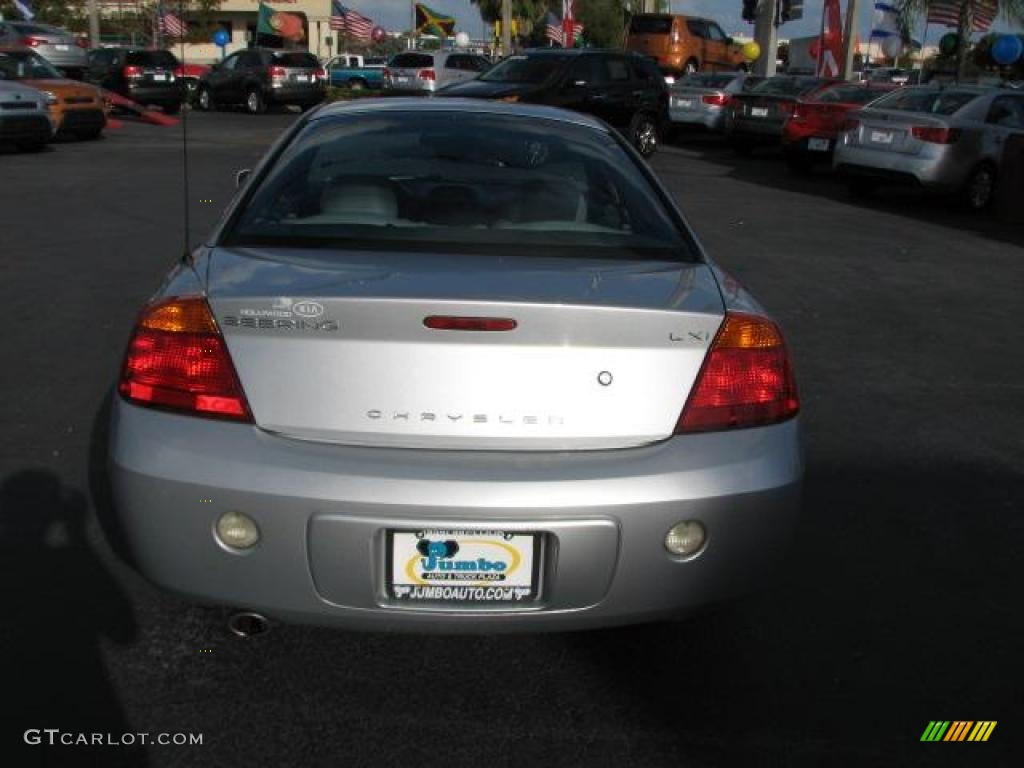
(892, 46)
(462, 39)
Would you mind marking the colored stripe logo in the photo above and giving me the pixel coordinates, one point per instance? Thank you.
(958, 730)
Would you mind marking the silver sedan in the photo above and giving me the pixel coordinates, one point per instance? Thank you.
(702, 98)
(946, 140)
(452, 365)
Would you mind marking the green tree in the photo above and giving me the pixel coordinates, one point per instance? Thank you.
(604, 22)
(1011, 10)
(531, 10)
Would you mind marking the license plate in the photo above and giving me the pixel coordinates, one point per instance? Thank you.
(62, 47)
(759, 112)
(463, 566)
(684, 103)
(881, 137)
(302, 78)
(818, 145)
(401, 79)
(159, 78)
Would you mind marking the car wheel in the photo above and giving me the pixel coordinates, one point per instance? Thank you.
(691, 66)
(172, 109)
(205, 99)
(980, 188)
(356, 84)
(254, 103)
(643, 132)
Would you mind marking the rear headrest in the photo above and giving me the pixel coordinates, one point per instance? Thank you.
(364, 200)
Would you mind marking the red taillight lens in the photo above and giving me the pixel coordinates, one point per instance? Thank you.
(452, 323)
(277, 72)
(177, 359)
(386, 73)
(746, 380)
(935, 135)
(131, 71)
(32, 42)
(427, 74)
(717, 99)
(320, 74)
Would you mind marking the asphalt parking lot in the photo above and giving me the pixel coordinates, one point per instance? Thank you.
(899, 603)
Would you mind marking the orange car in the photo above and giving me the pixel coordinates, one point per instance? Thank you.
(77, 109)
(683, 44)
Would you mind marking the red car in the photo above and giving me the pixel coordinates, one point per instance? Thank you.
(810, 133)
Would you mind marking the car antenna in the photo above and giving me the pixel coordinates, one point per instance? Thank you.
(184, 142)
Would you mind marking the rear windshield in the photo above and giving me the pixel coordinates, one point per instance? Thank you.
(786, 86)
(524, 69)
(374, 61)
(151, 59)
(26, 66)
(413, 60)
(37, 29)
(926, 100)
(461, 182)
(849, 95)
(296, 60)
(650, 25)
(708, 80)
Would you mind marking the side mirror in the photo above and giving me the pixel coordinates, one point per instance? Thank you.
(241, 177)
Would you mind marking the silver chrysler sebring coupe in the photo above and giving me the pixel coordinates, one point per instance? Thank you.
(454, 365)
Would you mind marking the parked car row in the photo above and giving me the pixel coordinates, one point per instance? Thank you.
(38, 103)
(941, 139)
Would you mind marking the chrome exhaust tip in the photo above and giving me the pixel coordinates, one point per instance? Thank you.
(248, 624)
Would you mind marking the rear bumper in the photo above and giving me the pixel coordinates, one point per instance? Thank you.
(305, 94)
(323, 511)
(940, 172)
(762, 130)
(712, 118)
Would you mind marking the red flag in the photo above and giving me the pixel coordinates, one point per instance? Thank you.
(831, 44)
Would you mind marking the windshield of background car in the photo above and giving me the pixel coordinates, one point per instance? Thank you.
(463, 182)
(150, 59)
(412, 61)
(849, 94)
(295, 60)
(524, 69)
(786, 86)
(26, 66)
(928, 100)
(650, 25)
(707, 80)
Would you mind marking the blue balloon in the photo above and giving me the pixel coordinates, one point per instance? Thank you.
(1007, 49)
(221, 37)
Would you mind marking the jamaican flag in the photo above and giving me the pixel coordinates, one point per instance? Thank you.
(432, 22)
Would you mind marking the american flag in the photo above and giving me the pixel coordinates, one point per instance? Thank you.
(562, 31)
(553, 28)
(171, 25)
(350, 22)
(947, 13)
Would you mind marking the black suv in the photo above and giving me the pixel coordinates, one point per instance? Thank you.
(259, 77)
(624, 89)
(144, 76)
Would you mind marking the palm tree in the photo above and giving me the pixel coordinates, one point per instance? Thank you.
(1011, 10)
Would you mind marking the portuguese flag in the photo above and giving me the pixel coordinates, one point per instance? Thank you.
(432, 22)
(286, 25)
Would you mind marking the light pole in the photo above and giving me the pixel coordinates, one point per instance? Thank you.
(506, 27)
(94, 24)
(849, 33)
(766, 36)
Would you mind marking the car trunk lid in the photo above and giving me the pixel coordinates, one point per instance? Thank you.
(892, 130)
(603, 354)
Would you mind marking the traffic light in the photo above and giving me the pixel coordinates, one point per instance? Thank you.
(791, 10)
(750, 10)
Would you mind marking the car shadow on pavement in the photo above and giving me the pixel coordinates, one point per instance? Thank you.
(766, 167)
(60, 606)
(899, 605)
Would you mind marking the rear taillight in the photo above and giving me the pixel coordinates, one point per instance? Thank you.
(935, 135)
(132, 72)
(81, 42)
(32, 42)
(746, 379)
(386, 74)
(717, 99)
(787, 108)
(320, 74)
(278, 73)
(426, 74)
(851, 124)
(177, 359)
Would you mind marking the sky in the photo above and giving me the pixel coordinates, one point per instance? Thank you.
(396, 14)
